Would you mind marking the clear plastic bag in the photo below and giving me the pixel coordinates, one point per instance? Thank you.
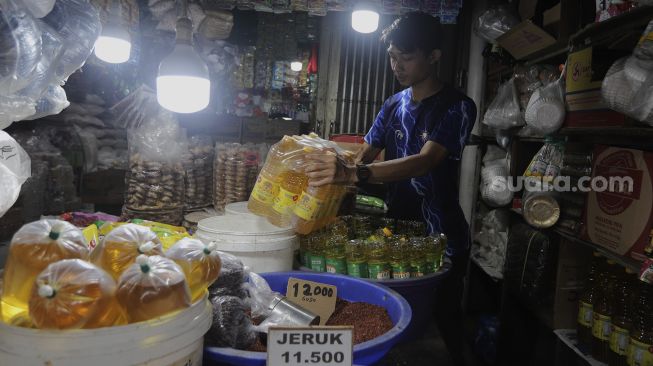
(231, 279)
(122, 245)
(152, 287)
(628, 88)
(15, 168)
(200, 262)
(40, 8)
(231, 326)
(504, 112)
(545, 112)
(35, 246)
(73, 294)
(494, 22)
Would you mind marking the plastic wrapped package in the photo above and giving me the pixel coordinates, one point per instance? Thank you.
(494, 22)
(628, 88)
(231, 326)
(152, 287)
(529, 268)
(35, 246)
(231, 279)
(199, 173)
(135, 109)
(15, 168)
(73, 294)
(200, 262)
(504, 112)
(495, 188)
(229, 175)
(52, 101)
(122, 245)
(78, 22)
(545, 112)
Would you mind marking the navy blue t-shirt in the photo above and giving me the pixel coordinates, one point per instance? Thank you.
(402, 127)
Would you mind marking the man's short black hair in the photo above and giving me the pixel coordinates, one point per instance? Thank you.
(413, 31)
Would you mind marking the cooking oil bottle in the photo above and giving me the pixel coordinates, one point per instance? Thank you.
(418, 252)
(621, 320)
(641, 335)
(434, 247)
(378, 261)
(603, 307)
(335, 254)
(318, 261)
(357, 259)
(292, 185)
(35, 246)
(585, 307)
(304, 250)
(200, 262)
(400, 257)
(269, 179)
(74, 294)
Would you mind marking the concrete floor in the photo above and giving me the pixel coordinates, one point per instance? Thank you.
(428, 351)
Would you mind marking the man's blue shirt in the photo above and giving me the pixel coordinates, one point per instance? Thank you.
(402, 127)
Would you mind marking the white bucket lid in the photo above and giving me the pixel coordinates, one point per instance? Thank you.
(243, 225)
(237, 208)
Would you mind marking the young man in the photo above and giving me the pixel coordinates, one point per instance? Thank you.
(423, 130)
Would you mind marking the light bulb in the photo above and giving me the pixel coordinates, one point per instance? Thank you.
(365, 20)
(114, 45)
(183, 83)
(296, 66)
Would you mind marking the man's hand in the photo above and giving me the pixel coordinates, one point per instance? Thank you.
(324, 169)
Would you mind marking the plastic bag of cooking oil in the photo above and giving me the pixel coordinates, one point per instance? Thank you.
(72, 294)
(200, 262)
(152, 287)
(32, 249)
(119, 249)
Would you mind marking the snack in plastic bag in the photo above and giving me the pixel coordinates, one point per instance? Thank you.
(231, 279)
(200, 263)
(72, 294)
(504, 111)
(231, 326)
(122, 245)
(152, 287)
(15, 168)
(35, 246)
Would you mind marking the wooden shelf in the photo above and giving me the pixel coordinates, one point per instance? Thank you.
(621, 260)
(631, 21)
(569, 338)
(546, 54)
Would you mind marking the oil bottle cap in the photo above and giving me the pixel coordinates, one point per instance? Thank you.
(387, 232)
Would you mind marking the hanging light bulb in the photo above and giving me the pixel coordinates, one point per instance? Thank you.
(365, 18)
(183, 84)
(114, 44)
(296, 66)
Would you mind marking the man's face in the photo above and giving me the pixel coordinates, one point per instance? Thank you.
(411, 68)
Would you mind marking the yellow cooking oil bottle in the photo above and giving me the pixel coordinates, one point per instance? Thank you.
(293, 183)
(399, 257)
(335, 254)
(35, 246)
(357, 259)
(74, 294)
(200, 262)
(378, 261)
(418, 252)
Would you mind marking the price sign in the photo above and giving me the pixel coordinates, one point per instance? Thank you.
(319, 298)
(324, 346)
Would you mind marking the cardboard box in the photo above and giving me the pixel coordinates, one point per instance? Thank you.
(620, 220)
(525, 39)
(527, 8)
(585, 108)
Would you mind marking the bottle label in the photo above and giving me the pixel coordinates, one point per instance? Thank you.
(284, 201)
(400, 272)
(379, 271)
(601, 327)
(336, 266)
(619, 340)
(308, 207)
(306, 259)
(420, 269)
(318, 263)
(357, 270)
(265, 190)
(585, 314)
(639, 354)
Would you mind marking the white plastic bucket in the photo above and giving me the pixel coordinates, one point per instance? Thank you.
(172, 340)
(237, 208)
(260, 245)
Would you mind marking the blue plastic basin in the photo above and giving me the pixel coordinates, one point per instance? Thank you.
(349, 288)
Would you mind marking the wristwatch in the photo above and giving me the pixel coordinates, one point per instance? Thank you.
(363, 173)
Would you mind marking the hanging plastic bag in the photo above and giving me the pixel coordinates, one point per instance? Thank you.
(628, 88)
(15, 168)
(494, 22)
(40, 8)
(545, 112)
(504, 111)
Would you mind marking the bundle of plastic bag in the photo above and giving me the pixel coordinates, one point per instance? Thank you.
(628, 88)
(495, 187)
(152, 287)
(545, 112)
(494, 22)
(122, 246)
(200, 262)
(15, 168)
(504, 112)
(73, 294)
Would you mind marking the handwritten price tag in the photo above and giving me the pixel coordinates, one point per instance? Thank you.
(316, 297)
